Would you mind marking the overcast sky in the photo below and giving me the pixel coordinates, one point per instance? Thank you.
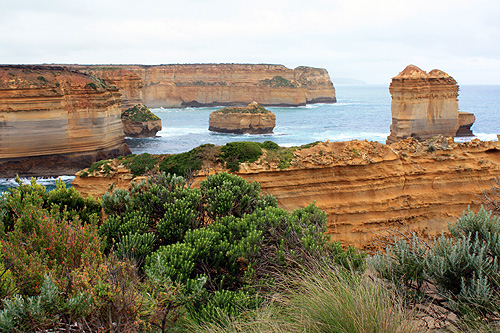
(370, 40)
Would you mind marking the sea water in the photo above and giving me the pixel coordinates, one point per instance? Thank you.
(362, 112)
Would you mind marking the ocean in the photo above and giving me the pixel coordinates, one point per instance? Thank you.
(362, 112)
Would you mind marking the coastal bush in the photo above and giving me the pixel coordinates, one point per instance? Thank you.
(234, 153)
(139, 112)
(463, 266)
(320, 298)
(34, 313)
(268, 145)
(185, 164)
(140, 164)
(276, 82)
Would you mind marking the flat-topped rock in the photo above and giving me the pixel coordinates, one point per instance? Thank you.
(140, 122)
(252, 119)
(465, 122)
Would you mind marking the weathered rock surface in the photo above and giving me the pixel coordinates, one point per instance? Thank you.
(140, 122)
(232, 84)
(367, 188)
(252, 119)
(423, 105)
(54, 121)
(465, 122)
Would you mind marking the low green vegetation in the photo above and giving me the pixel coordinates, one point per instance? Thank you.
(234, 153)
(231, 155)
(251, 108)
(165, 258)
(276, 82)
(185, 164)
(139, 112)
(458, 272)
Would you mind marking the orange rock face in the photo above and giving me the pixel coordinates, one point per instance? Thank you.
(423, 104)
(232, 84)
(465, 122)
(253, 119)
(56, 121)
(368, 188)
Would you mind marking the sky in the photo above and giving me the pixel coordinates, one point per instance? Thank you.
(369, 40)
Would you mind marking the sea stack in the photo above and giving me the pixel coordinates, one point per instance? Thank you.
(252, 119)
(140, 122)
(55, 121)
(424, 105)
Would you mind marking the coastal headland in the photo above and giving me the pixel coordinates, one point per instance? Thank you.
(366, 188)
(196, 85)
(55, 121)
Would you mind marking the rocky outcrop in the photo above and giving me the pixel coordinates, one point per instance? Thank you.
(55, 121)
(252, 119)
(465, 122)
(232, 84)
(368, 188)
(423, 104)
(140, 122)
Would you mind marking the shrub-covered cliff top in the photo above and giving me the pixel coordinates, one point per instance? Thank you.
(253, 107)
(139, 113)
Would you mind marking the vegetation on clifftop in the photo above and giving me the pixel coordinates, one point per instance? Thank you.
(139, 112)
(251, 108)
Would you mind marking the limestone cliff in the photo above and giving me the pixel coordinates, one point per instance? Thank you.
(367, 188)
(252, 119)
(55, 121)
(423, 104)
(232, 84)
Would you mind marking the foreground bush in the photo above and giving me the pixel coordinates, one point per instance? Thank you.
(323, 299)
(463, 267)
(165, 255)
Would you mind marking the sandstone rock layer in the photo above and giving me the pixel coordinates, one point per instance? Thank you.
(465, 122)
(232, 84)
(423, 104)
(55, 121)
(368, 188)
(252, 119)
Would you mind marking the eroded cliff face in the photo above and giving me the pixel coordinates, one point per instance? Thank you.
(252, 119)
(423, 104)
(232, 84)
(54, 121)
(367, 188)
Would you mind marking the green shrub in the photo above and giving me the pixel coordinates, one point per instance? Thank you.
(234, 153)
(135, 246)
(185, 164)
(54, 245)
(92, 85)
(46, 310)
(225, 194)
(139, 112)
(276, 82)
(464, 267)
(140, 164)
(270, 145)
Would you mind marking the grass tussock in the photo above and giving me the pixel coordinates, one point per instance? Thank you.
(323, 300)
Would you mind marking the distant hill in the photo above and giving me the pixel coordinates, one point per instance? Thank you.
(346, 80)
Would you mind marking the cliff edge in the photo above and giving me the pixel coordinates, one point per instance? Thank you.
(366, 188)
(232, 84)
(55, 121)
